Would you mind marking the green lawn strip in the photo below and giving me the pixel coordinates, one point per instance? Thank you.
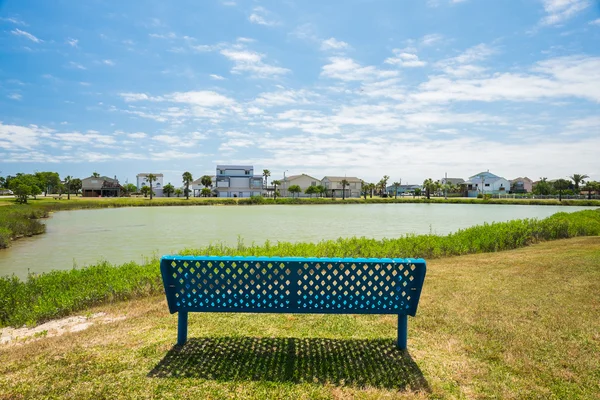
(50, 295)
(514, 324)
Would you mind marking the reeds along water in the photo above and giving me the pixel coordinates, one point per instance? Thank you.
(58, 293)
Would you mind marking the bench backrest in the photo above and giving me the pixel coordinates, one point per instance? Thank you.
(293, 285)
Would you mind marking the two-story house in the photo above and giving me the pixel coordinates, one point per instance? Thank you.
(302, 180)
(157, 184)
(100, 186)
(197, 185)
(333, 184)
(486, 183)
(521, 185)
(237, 181)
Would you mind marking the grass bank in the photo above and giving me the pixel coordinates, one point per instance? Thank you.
(20, 220)
(529, 330)
(58, 293)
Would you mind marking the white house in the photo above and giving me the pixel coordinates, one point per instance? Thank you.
(302, 180)
(157, 185)
(333, 184)
(197, 185)
(487, 183)
(237, 181)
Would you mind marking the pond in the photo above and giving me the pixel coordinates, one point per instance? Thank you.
(83, 237)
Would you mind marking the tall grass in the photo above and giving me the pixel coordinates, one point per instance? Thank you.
(19, 221)
(58, 293)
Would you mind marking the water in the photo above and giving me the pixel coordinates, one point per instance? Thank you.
(84, 237)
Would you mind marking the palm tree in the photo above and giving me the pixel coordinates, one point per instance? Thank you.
(168, 189)
(383, 183)
(344, 183)
(577, 179)
(206, 181)
(560, 185)
(428, 185)
(396, 186)
(178, 192)
(187, 179)
(68, 180)
(266, 175)
(321, 190)
(589, 187)
(95, 174)
(151, 178)
(275, 184)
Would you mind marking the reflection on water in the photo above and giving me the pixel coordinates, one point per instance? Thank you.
(84, 237)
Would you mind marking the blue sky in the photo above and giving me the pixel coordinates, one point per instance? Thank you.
(411, 89)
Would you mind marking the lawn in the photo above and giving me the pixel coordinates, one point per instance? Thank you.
(515, 324)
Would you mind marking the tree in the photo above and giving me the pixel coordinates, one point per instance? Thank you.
(145, 190)
(130, 188)
(364, 188)
(577, 179)
(48, 181)
(68, 180)
(429, 186)
(76, 185)
(417, 192)
(311, 190)
(344, 183)
(95, 174)
(294, 189)
(275, 191)
(266, 175)
(383, 183)
(151, 178)
(2, 182)
(560, 185)
(187, 180)
(320, 190)
(23, 186)
(591, 186)
(396, 186)
(206, 181)
(178, 192)
(206, 192)
(543, 187)
(372, 188)
(168, 189)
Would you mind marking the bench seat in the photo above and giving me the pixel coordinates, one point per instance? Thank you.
(292, 285)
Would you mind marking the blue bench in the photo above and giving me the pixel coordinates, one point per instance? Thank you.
(292, 285)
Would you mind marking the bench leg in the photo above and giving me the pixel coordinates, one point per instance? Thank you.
(402, 331)
(182, 326)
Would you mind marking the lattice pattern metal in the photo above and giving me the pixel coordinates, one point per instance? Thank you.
(295, 285)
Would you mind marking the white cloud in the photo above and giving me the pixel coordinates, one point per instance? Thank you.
(559, 11)
(262, 16)
(216, 77)
(202, 98)
(130, 97)
(595, 22)
(93, 138)
(334, 44)
(18, 32)
(13, 20)
(137, 135)
(15, 96)
(285, 97)
(108, 62)
(404, 59)
(72, 42)
(249, 61)
(346, 69)
(431, 39)
(169, 35)
(75, 65)
(13, 137)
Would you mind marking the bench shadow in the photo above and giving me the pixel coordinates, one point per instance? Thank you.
(360, 363)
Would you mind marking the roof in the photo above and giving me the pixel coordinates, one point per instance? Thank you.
(341, 178)
(223, 166)
(213, 178)
(486, 174)
(521, 179)
(292, 177)
(454, 181)
(146, 174)
(88, 183)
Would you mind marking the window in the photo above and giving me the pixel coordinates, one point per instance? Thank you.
(487, 184)
(221, 172)
(313, 183)
(247, 172)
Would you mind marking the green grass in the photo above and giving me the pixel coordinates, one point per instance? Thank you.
(58, 293)
(519, 324)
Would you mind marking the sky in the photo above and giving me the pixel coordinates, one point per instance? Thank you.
(409, 89)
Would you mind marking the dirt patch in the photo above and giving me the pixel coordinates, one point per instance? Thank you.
(55, 328)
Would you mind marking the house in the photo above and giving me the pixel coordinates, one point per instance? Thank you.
(333, 186)
(157, 185)
(486, 183)
(402, 190)
(302, 180)
(197, 185)
(521, 185)
(453, 181)
(237, 181)
(100, 186)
